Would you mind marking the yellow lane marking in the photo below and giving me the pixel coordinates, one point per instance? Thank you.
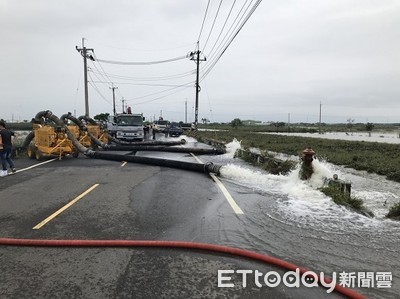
(52, 216)
(124, 163)
(226, 193)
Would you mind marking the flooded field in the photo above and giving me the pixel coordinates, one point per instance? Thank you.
(383, 137)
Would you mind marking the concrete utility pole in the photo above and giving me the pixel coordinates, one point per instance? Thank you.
(186, 111)
(113, 91)
(123, 105)
(195, 56)
(319, 127)
(86, 53)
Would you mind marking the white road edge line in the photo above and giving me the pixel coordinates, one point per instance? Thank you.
(226, 193)
(35, 165)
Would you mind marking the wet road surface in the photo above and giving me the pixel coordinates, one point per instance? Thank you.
(139, 202)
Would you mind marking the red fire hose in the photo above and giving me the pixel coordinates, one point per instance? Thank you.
(173, 244)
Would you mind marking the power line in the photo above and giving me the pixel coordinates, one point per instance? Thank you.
(202, 25)
(105, 73)
(143, 50)
(143, 62)
(230, 31)
(142, 84)
(163, 91)
(233, 37)
(161, 96)
(223, 27)
(212, 26)
(161, 78)
(97, 90)
(102, 74)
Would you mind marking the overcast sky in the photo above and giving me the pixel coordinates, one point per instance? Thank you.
(290, 56)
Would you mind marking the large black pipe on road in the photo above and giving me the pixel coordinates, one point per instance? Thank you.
(147, 142)
(199, 151)
(208, 167)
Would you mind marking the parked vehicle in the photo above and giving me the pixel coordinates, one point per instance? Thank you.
(127, 127)
(174, 130)
(187, 126)
(161, 126)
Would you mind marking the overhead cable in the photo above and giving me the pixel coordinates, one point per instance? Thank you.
(161, 97)
(202, 25)
(212, 26)
(97, 90)
(223, 27)
(231, 40)
(161, 78)
(142, 62)
(230, 31)
(144, 84)
(160, 92)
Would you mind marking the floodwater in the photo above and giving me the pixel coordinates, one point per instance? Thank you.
(295, 221)
(383, 137)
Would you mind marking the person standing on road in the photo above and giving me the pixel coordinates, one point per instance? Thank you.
(5, 149)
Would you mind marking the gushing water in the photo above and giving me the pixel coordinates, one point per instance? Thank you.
(291, 218)
(302, 200)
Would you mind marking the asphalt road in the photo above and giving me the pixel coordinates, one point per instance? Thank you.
(128, 202)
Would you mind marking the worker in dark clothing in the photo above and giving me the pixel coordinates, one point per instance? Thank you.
(5, 149)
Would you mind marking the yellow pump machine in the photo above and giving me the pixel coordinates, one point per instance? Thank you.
(50, 141)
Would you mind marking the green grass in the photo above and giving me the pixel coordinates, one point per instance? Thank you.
(374, 157)
(271, 165)
(345, 199)
(379, 158)
(394, 212)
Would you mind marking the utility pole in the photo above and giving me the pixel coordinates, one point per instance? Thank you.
(288, 123)
(86, 53)
(186, 111)
(123, 105)
(319, 129)
(113, 91)
(195, 56)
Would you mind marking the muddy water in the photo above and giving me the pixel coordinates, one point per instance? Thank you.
(295, 221)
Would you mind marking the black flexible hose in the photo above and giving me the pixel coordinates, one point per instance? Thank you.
(28, 139)
(82, 127)
(48, 114)
(88, 119)
(163, 148)
(147, 142)
(208, 167)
